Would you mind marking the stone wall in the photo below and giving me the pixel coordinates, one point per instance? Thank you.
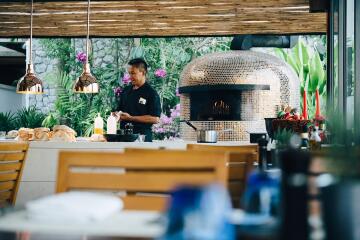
(105, 51)
(43, 66)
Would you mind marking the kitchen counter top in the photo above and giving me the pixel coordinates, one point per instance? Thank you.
(178, 144)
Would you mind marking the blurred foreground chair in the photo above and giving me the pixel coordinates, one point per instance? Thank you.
(241, 162)
(146, 176)
(12, 156)
(250, 148)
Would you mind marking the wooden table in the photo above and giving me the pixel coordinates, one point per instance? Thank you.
(126, 224)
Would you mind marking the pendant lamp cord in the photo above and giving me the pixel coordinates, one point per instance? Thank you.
(31, 29)
(88, 30)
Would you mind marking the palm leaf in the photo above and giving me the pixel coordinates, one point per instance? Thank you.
(7, 121)
(29, 117)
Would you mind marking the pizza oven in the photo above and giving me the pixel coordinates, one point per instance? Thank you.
(237, 90)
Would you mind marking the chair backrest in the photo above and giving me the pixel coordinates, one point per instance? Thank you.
(12, 156)
(250, 148)
(239, 165)
(146, 176)
(241, 161)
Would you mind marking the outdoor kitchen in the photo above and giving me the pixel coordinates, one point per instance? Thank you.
(179, 119)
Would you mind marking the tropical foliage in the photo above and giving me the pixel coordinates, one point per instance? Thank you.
(29, 118)
(309, 64)
(26, 117)
(74, 110)
(7, 120)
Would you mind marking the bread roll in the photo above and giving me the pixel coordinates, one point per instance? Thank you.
(41, 134)
(12, 134)
(97, 138)
(63, 133)
(26, 134)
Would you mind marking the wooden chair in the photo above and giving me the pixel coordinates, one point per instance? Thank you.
(241, 163)
(250, 148)
(12, 156)
(146, 176)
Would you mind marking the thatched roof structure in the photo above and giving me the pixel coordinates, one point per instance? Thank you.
(160, 18)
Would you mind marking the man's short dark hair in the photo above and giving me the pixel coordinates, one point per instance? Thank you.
(138, 63)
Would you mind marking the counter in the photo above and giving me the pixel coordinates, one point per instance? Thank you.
(40, 170)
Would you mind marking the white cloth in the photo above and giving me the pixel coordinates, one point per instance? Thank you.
(80, 207)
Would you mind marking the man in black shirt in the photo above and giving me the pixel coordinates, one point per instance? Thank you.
(139, 102)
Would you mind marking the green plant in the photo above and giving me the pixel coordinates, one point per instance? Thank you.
(50, 120)
(29, 118)
(308, 65)
(282, 137)
(7, 121)
(75, 110)
(61, 49)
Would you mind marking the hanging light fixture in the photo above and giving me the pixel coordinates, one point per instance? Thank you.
(30, 83)
(86, 83)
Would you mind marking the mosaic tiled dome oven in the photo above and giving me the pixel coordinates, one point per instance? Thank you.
(237, 90)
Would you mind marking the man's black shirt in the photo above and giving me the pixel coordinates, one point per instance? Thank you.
(138, 102)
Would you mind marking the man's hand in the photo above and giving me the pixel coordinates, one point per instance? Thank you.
(125, 116)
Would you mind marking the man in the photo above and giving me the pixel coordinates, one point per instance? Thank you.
(139, 103)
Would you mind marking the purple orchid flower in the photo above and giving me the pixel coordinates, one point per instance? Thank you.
(160, 73)
(117, 91)
(81, 57)
(126, 78)
(165, 119)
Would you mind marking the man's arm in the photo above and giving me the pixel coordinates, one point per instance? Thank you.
(141, 119)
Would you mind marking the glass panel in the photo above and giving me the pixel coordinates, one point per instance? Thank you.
(350, 63)
(336, 52)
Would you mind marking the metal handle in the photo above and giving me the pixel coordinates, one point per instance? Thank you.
(190, 124)
(225, 130)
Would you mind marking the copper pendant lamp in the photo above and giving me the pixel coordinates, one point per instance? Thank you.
(30, 83)
(86, 83)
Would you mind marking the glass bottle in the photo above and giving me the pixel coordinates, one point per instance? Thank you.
(305, 138)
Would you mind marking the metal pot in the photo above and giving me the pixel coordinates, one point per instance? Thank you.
(206, 136)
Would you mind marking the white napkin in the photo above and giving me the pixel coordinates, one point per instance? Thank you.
(80, 207)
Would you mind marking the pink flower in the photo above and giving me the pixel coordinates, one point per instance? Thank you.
(165, 120)
(175, 114)
(160, 73)
(81, 57)
(177, 92)
(160, 130)
(177, 107)
(117, 91)
(126, 78)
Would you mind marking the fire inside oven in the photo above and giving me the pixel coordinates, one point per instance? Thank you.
(215, 105)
